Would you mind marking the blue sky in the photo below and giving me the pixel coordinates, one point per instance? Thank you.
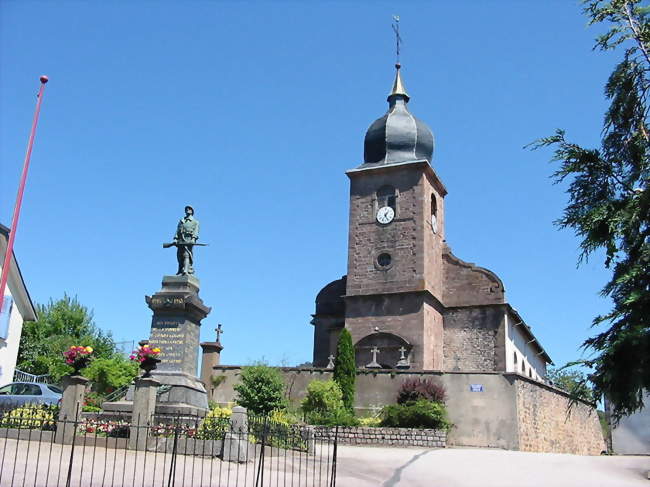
(252, 111)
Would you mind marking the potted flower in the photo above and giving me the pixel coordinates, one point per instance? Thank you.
(147, 357)
(78, 357)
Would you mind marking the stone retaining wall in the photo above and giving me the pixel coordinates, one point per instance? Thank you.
(384, 436)
(547, 423)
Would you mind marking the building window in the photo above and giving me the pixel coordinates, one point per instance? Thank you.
(384, 260)
(387, 196)
(530, 372)
(515, 367)
(434, 213)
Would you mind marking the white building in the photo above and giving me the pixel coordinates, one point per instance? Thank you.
(17, 308)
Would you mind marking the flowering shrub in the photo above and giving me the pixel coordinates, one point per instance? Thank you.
(168, 430)
(415, 389)
(215, 423)
(76, 354)
(31, 416)
(143, 353)
(101, 427)
(370, 421)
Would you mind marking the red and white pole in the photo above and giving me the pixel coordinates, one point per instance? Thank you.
(19, 197)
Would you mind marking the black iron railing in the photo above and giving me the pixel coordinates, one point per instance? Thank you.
(37, 448)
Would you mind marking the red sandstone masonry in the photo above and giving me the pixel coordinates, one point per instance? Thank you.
(545, 423)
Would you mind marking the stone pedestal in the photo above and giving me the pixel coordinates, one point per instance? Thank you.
(74, 389)
(175, 327)
(144, 405)
(235, 443)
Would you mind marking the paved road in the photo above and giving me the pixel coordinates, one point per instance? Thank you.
(457, 467)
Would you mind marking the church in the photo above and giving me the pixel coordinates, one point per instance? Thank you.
(415, 311)
(407, 300)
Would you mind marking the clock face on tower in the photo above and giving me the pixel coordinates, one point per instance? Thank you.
(385, 215)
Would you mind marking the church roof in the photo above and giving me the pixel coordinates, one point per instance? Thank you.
(398, 136)
(329, 300)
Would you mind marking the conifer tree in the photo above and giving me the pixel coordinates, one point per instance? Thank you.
(345, 370)
(609, 206)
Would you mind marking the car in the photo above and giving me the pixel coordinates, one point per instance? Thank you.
(18, 393)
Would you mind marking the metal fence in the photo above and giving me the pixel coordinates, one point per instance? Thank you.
(20, 376)
(38, 449)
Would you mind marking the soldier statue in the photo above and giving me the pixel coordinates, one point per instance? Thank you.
(187, 233)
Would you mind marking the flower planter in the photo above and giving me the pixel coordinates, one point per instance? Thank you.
(149, 364)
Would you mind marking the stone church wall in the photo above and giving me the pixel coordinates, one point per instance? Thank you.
(471, 338)
(488, 409)
(546, 425)
(467, 284)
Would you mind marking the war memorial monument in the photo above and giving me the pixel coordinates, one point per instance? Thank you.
(175, 329)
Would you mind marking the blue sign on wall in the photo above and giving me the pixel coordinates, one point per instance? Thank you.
(476, 387)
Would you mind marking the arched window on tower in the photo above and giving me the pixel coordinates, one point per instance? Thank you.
(515, 367)
(434, 213)
(387, 196)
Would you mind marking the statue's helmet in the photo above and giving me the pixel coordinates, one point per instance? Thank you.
(188, 206)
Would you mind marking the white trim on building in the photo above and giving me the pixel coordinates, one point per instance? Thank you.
(21, 309)
(524, 354)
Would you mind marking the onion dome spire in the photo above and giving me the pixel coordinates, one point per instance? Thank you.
(398, 85)
(398, 136)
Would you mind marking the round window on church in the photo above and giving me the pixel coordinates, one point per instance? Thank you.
(384, 260)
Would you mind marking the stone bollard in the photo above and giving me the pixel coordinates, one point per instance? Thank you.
(74, 389)
(144, 406)
(235, 443)
(308, 436)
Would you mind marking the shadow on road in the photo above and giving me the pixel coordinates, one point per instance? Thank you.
(395, 478)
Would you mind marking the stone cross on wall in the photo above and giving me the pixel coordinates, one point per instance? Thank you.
(330, 364)
(374, 365)
(403, 361)
(402, 351)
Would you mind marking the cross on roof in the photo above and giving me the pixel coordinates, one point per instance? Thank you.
(219, 332)
(398, 38)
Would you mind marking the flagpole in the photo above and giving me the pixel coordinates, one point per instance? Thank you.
(19, 197)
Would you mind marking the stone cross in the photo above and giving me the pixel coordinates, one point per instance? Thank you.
(374, 365)
(374, 350)
(403, 361)
(402, 351)
(330, 364)
(219, 332)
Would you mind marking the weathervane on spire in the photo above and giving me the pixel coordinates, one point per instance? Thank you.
(398, 39)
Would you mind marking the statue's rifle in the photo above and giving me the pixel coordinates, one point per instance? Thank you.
(176, 244)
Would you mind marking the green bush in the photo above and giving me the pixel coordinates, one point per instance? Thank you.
(369, 421)
(323, 405)
(215, 424)
(345, 369)
(108, 374)
(261, 389)
(322, 395)
(336, 417)
(418, 414)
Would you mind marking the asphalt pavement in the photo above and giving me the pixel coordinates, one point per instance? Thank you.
(359, 466)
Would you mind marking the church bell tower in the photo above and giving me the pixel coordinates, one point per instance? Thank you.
(396, 236)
